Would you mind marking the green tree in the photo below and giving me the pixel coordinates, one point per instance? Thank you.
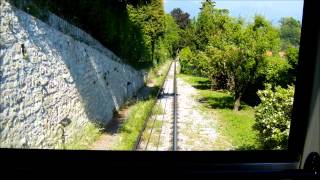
(172, 34)
(292, 55)
(212, 32)
(168, 45)
(223, 52)
(210, 22)
(290, 30)
(229, 52)
(151, 20)
(181, 18)
(186, 60)
(205, 24)
(240, 51)
(131, 29)
(188, 38)
(253, 43)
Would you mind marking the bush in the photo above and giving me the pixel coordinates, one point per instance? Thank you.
(161, 52)
(273, 116)
(186, 60)
(292, 55)
(276, 70)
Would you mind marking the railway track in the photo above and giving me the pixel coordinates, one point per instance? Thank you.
(160, 130)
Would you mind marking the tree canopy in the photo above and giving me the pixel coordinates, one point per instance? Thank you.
(181, 18)
(130, 28)
(290, 30)
(232, 53)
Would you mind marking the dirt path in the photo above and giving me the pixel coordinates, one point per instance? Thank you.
(196, 131)
(109, 138)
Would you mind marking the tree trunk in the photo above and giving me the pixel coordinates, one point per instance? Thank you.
(212, 85)
(237, 102)
(152, 50)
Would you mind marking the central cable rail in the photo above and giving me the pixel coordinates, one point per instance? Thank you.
(174, 147)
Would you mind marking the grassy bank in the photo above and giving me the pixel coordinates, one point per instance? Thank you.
(236, 127)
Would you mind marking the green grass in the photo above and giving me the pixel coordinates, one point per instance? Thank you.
(82, 140)
(157, 74)
(157, 110)
(235, 126)
(129, 131)
(238, 126)
(196, 81)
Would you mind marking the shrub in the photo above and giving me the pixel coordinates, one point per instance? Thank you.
(186, 60)
(292, 55)
(161, 52)
(276, 71)
(273, 116)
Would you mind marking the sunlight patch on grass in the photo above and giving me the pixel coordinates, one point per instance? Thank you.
(236, 127)
(195, 81)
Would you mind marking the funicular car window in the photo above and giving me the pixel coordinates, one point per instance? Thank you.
(148, 75)
(62, 70)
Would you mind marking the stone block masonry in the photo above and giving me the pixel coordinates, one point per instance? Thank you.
(52, 84)
(78, 34)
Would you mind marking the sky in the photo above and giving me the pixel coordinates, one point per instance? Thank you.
(273, 10)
